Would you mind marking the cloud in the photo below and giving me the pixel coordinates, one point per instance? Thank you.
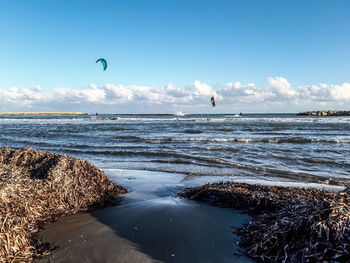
(281, 87)
(277, 96)
(239, 93)
(327, 93)
(202, 89)
(21, 95)
(37, 88)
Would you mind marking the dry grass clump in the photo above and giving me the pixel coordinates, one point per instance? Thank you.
(288, 224)
(37, 187)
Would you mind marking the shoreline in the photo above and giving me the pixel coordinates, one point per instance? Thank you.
(38, 187)
(151, 224)
(288, 224)
(151, 221)
(43, 113)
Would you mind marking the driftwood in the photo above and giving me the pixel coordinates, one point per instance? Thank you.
(37, 187)
(288, 224)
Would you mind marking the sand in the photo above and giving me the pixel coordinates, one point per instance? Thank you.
(289, 224)
(150, 225)
(43, 113)
(37, 187)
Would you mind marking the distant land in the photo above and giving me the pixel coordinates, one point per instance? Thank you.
(43, 113)
(325, 113)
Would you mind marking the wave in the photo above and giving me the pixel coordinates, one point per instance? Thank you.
(192, 131)
(180, 117)
(236, 119)
(180, 113)
(297, 140)
(185, 159)
(311, 160)
(176, 158)
(225, 130)
(219, 149)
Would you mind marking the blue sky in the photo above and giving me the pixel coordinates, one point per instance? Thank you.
(54, 44)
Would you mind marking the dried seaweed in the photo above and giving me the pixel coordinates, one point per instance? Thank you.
(288, 224)
(37, 187)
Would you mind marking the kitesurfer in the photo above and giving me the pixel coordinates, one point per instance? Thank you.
(212, 100)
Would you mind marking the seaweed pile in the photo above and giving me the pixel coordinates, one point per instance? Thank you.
(288, 224)
(37, 187)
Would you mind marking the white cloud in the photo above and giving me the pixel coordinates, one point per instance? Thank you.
(175, 92)
(202, 89)
(115, 93)
(327, 93)
(281, 87)
(21, 95)
(37, 88)
(277, 96)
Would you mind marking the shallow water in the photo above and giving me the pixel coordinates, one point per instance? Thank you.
(311, 149)
(151, 224)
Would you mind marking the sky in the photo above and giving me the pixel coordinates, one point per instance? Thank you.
(169, 56)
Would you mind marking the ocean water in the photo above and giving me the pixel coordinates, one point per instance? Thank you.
(274, 146)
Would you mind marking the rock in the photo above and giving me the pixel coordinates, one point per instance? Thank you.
(325, 113)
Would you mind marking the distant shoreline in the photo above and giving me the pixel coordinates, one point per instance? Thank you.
(43, 113)
(324, 113)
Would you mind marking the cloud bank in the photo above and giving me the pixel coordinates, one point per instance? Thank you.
(278, 95)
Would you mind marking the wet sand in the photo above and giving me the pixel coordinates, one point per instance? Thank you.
(150, 225)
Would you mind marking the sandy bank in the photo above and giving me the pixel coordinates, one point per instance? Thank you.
(37, 187)
(289, 224)
(43, 113)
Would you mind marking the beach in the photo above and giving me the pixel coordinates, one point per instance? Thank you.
(288, 224)
(38, 187)
(151, 224)
(159, 158)
(42, 113)
(175, 131)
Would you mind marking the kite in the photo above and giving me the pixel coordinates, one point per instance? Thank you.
(212, 100)
(103, 62)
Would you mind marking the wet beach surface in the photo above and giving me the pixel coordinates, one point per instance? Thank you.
(150, 225)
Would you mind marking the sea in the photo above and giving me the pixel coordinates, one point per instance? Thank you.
(271, 147)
